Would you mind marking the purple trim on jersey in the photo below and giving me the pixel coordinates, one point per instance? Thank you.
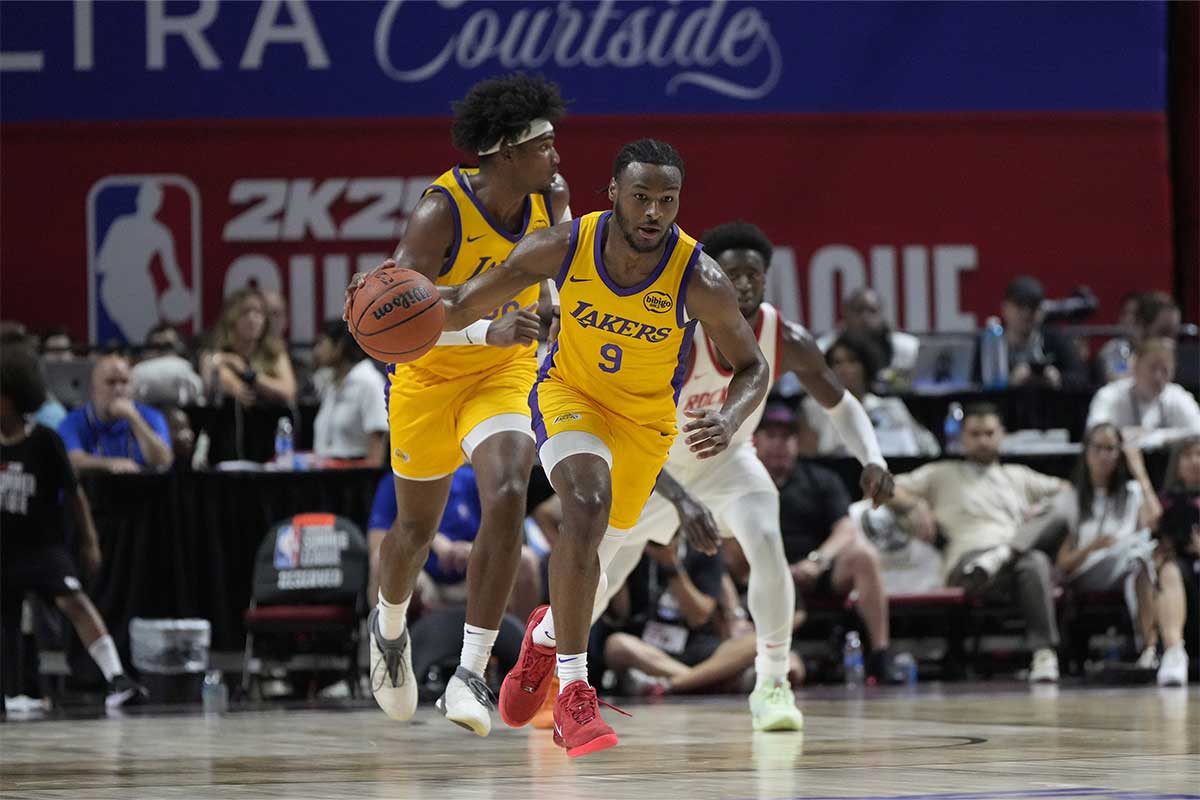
(536, 420)
(549, 207)
(621, 291)
(387, 389)
(572, 245)
(453, 254)
(681, 306)
(512, 237)
(685, 347)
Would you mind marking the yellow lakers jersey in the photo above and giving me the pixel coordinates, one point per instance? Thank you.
(479, 245)
(625, 348)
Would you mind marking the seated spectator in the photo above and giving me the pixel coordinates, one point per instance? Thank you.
(183, 438)
(980, 506)
(864, 316)
(1113, 359)
(36, 483)
(443, 582)
(1114, 507)
(855, 360)
(352, 421)
(661, 633)
(826, 553)
(245, 361)
(1148, 400)
(1179, 531)
(112, 432)
(57, 345)
(1036, 354)
(164, 376)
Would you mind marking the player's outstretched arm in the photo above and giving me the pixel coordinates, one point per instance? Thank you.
(802, 357)
(695, 520)
(711, 300)
(536, 257)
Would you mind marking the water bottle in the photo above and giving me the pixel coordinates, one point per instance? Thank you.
(952, 429)
(904, 669)
(214, 694)
(1112, 647)
(993, 355)
(285, 448)
(852, 659)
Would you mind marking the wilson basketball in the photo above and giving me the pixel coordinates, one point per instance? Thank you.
(396, 315)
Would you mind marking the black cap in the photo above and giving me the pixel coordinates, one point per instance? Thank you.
(1025, 291)
(778, 414)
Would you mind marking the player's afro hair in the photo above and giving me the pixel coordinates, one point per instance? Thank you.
(500, 108)
(737, 235)
(21, 378)
(647, 151)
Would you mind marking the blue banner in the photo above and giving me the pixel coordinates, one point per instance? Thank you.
(280, 59)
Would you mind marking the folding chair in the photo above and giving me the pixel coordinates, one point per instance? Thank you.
(308, 598)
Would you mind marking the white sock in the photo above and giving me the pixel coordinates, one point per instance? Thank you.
(104, 653)
(393, 617)
(771, 663)
(571, 668)
(543, 634)
(477, 648)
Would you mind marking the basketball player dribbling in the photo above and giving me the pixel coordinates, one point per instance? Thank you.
(468, 397)
(632, 287)
(731, 493)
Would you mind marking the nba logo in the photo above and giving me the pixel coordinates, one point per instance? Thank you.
(287, 548)
(143, 256)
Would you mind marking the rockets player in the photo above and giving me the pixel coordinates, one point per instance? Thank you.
(731, 494)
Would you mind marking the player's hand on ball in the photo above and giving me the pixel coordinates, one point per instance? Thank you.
(356, 282)
(877, 484)
(516, 327)
(698, 526)
(708, 433)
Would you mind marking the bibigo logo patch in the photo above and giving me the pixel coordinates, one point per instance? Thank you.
(658, 302)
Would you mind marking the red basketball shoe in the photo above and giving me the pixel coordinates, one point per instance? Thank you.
(577, 723)
(526, 685)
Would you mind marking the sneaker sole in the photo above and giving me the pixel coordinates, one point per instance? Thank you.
(780, 723)
(119, 699)
(471, 724)
(594, 746)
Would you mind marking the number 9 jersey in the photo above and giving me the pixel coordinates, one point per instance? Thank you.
(619, 362)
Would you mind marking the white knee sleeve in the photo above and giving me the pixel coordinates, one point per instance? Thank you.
(772, 594)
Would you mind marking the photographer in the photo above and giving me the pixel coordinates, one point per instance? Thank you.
(1036, 354)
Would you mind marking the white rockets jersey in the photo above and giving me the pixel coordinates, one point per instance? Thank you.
(707, 384)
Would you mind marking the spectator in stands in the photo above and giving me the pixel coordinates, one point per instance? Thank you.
(662, 633)
(164, 376)
(1148, 400)
(1157, 315)
(352, 420)
(36, 483)
(112, 432)
(1179, 531)
(57, 345)
(1112, 362)
(1036, 354)
(864, 317)
(855, 359)
(1114, 507)
(245, 360)
(827, 553)
(183, 438)
(443, 582)
(980, 506)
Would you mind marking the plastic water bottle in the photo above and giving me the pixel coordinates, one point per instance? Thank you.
(904, 668)
(285, 447)
(993, 355)
(214, 694)
(952, 429)
(852, 659)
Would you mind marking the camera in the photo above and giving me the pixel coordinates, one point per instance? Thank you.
(1076, 307)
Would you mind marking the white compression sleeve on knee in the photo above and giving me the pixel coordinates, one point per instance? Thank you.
(855, 429)
(475, 333)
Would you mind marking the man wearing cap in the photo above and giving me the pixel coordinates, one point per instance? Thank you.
(1036, 354)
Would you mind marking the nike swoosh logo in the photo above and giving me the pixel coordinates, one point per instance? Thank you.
(567, 660)
(573, 279)
(475, 238)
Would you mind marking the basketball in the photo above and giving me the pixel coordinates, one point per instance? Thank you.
(396, 315)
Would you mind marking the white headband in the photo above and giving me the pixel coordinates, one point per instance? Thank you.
(536, 128)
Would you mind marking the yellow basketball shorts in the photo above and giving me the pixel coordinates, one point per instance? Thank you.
(636, 453)
(435, 423)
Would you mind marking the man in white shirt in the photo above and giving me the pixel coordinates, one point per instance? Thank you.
(980, 505)
(352, 421)
(1148, 401)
